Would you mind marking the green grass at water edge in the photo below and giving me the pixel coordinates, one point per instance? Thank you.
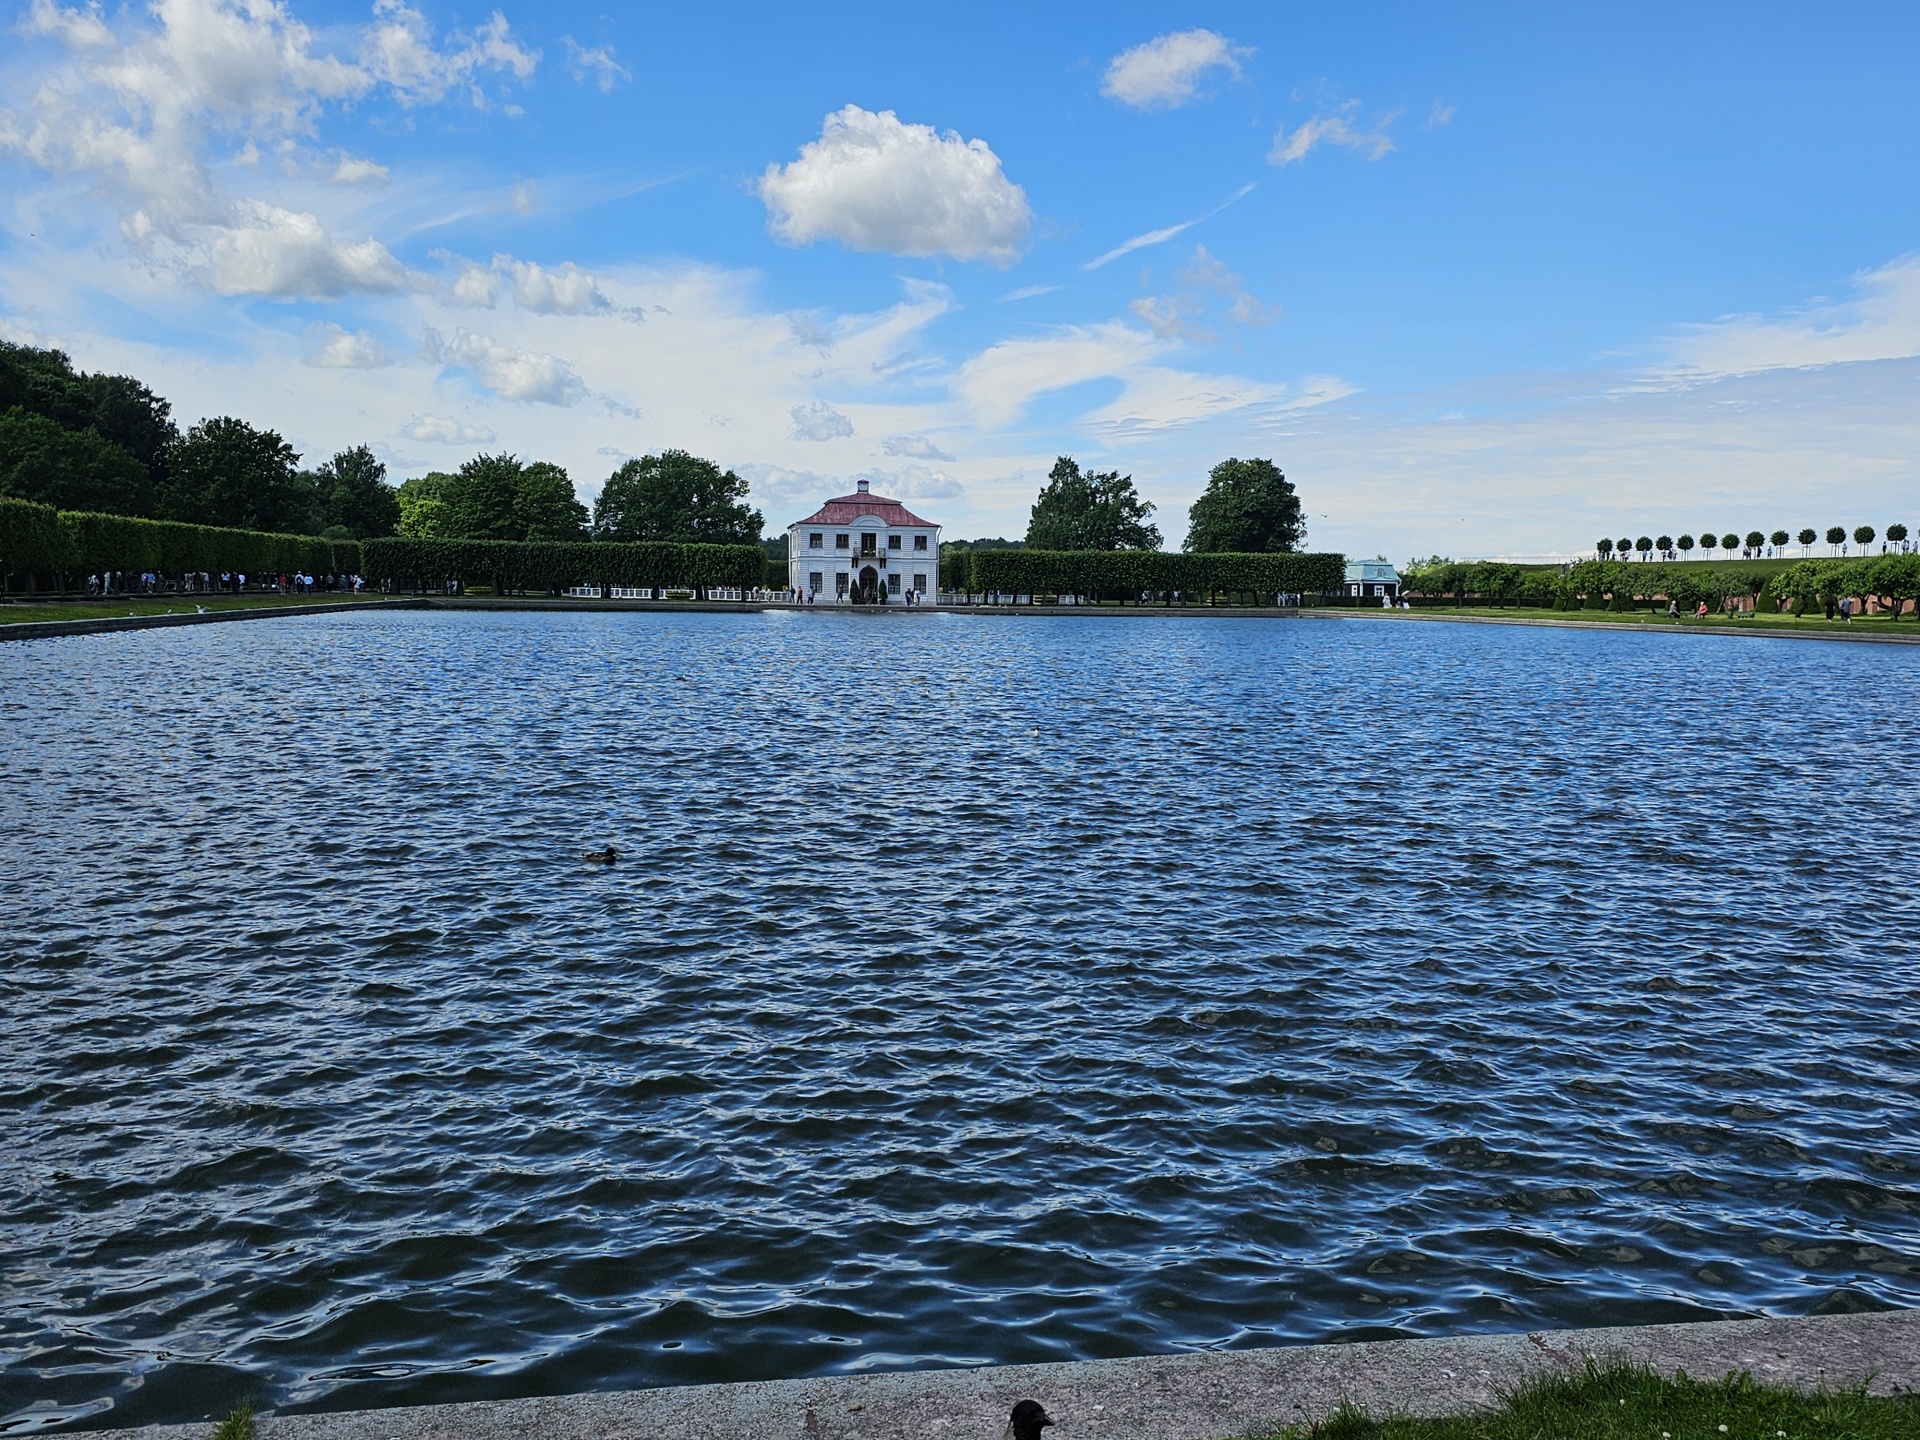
(24, 613)
(237, 1426)
(1629, 1402)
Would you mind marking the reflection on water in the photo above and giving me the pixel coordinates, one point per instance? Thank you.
(967, 991)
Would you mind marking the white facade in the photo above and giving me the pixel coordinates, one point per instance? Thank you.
(863, 545)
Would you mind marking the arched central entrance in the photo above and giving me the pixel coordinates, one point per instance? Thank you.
(869, 590)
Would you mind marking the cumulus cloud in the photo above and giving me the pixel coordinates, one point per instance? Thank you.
(333, 348)
(595, 63)
(270, 251)
(874, 183)
(915, 447)
(777, 484)
(564, 290)
(1166, 71)
(817, 420)
(511, 373)
(139, 106)
(1336, 128)
(437, 430)
(912, 482)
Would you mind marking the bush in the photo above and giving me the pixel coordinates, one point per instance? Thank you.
(1155, 572)
(561, 565)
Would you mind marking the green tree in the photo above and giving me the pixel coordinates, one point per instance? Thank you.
(118, 408)
(69, 469)
(1664, 544)
(1729, 542)
(1863, 536)
(1836, 537)
(545, 507)
(1755, 539)
(1805, 539)
(1098, 510)
(675, 496)
(1249, 508)
(226, 472)
(1604, 546)
(423, 505)
(1644, 545)
(355, 496)
(1897, 533)
(1623, 546)
(479, 502)
(1685, 542)
(1779, 539)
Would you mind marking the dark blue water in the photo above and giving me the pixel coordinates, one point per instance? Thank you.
(968, 990)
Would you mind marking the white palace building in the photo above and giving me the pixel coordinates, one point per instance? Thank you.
(863, 547)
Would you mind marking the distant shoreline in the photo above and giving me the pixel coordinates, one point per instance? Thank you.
(48, 629)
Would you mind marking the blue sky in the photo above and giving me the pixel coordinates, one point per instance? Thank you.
(1483, 280)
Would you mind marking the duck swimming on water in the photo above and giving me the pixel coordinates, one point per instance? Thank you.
(601, 857)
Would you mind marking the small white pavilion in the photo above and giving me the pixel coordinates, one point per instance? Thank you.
(863, 547)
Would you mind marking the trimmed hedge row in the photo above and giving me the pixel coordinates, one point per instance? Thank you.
(1619, 585)
(561, 565)
(1158, 572)
(37, 539)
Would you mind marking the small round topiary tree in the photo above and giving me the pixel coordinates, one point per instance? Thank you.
(1685, 542)
(1805, 539)
(1729, 542)
(1836, 535)
(1863, 535)
(1644, 545)
(1898, 535)
(1664, 544)
(1755, 539)
(1778, 539)
(1604, 546)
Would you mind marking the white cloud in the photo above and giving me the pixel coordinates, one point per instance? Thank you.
(1440, 114)
(912, 482)
(474, 287)
(1881, 322)
(400, 50)
(1336, 128)
(817, 420)
(270, 251)
(436, 430)
(776, 484)
(914, 447)
(873, 183)
(1027, 292)
(78, 28)
(1156, 237)
(1180, 315)
(354, 171)
(139, 108)
(511, 373)
(1166, 71)
(564, 290)
(596, 62)
(338, 349)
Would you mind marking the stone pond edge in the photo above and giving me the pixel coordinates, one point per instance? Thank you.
(1212, 1395)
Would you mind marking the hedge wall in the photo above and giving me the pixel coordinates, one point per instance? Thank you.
(540, 565)
(1091, 572)
(36, 539)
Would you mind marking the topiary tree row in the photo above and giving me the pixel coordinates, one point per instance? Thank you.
(38, 540)
(1093, 573)
(560, 565)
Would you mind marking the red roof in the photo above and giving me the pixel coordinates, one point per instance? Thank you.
(845, 509)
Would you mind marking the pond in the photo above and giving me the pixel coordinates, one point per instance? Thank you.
(967, 990)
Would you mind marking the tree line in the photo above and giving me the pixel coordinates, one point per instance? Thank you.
(1753, 546)
(1891, 579)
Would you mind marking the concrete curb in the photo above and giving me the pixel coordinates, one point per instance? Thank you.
(1638, 628)
(1209, 1396)
(106, 625)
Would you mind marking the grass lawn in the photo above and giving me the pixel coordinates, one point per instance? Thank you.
(23, 612)
(1814, 623)
(1630, 1403)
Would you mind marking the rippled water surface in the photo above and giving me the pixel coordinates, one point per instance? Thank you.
(968, 990)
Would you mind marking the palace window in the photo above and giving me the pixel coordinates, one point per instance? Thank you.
(920, 542)
(842, 542)
(816, 582)
(893, 542)
(920, 583)
(840, 584)
(893, 580)
(815, 540)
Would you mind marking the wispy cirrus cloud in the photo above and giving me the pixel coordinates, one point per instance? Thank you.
(1166, 71)
(1334, 128)
(1161, 236)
